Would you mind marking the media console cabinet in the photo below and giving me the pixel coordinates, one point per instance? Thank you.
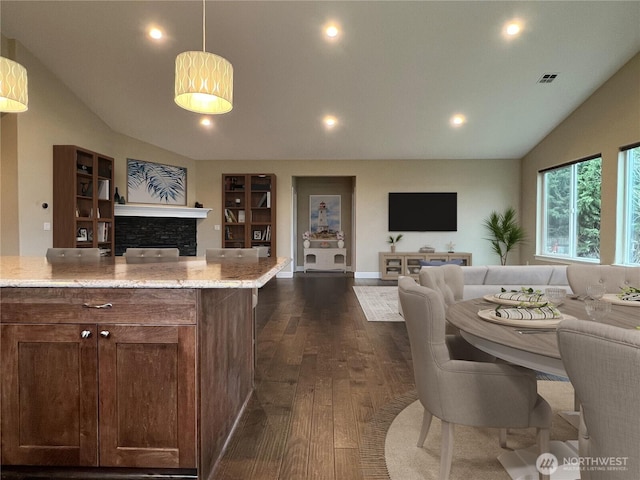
(395, 264)
(142, 366)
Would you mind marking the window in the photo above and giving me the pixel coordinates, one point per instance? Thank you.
(571, 210)
(631, 206)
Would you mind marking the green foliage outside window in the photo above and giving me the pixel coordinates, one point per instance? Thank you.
(633, 199)
(572, 208)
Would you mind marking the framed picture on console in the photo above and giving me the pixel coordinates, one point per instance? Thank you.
(324, 216)
(149, 182)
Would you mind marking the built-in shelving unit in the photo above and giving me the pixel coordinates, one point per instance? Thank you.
(249, 211)
(82, 199)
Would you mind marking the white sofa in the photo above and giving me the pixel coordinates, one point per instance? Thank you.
(488, 279)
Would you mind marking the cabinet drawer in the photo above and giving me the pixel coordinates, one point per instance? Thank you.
(128, 306)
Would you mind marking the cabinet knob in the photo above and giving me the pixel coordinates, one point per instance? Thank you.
(102, 305)
(85, 333)
(105, 333)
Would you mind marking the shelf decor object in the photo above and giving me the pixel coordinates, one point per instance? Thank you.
(14, 96)
(203, 81)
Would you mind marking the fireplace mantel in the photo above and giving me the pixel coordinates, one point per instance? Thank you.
(128, 210)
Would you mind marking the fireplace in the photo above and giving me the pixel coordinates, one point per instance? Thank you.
(151, 226)
(156, 232)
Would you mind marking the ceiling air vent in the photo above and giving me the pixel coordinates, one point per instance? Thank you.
(547, 78)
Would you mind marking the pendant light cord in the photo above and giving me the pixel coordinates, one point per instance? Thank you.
(204, 26)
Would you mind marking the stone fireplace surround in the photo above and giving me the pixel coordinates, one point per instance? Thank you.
(142, 226)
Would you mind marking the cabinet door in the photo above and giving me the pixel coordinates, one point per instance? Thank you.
(147, 396)
(49, 395)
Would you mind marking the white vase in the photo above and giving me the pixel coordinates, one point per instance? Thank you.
(340, 243)
(306, 243)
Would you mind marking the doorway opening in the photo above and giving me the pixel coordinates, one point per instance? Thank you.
(338, 194)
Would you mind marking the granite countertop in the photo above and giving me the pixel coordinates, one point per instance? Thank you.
(110, 272)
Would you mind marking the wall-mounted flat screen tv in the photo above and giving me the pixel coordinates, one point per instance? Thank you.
(423, 212)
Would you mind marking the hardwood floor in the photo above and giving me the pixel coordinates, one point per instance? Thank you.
(322, 372)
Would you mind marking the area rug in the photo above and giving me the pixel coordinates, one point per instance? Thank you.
(379, 304)
(475, 449)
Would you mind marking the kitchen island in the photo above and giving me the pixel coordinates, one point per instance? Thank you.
(133, 367)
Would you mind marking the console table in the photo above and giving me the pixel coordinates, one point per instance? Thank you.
(328, 259)
(394, 264)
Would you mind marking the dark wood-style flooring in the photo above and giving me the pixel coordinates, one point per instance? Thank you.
(322, 373)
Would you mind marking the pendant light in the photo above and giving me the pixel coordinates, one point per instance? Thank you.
(14, 97)
(204, 81)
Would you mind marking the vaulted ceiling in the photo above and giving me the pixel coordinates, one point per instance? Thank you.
(393, 77)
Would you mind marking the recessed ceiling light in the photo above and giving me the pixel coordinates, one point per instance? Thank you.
(512, 28)
(330, 121)
(331, 31)
(206, 122)
(155, 33)
(458, 120)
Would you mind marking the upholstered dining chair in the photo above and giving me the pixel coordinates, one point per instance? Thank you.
(447, 279)
(456, 388)
(613, 277)
(151, 255)
(603, 362)
(232, 255)
(72, 254)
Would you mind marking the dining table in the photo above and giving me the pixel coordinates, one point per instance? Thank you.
(535, 347)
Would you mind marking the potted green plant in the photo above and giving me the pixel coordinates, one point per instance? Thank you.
(393, 240)
(504, 232)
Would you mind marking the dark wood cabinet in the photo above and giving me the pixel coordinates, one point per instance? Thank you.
(249, 211)
(83, 199)
(156, 380)
(49, 395)
(147, 396)
(98, 394)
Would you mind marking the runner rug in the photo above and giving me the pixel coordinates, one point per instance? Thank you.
(379, 304)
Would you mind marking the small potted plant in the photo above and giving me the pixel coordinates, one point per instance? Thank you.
(393, 240)
(306, 237)
(340, 238)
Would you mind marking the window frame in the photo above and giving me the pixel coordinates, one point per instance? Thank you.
(625, 200)
(574, 225)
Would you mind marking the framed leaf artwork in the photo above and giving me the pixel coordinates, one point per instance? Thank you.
(149, 182)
